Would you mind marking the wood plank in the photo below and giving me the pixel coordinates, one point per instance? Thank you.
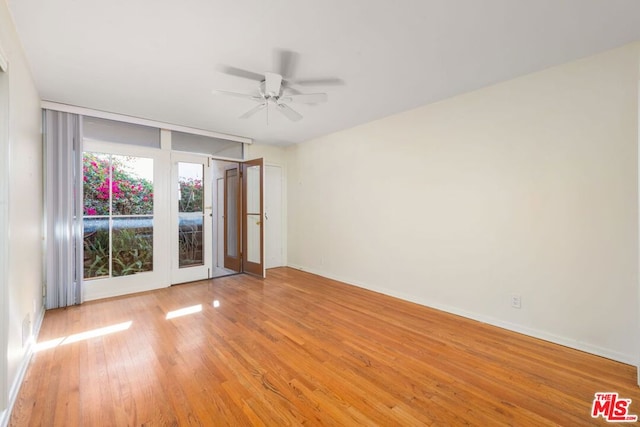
(301, 349)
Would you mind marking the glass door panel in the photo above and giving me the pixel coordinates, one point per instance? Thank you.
(253, 213)
(118, 215)
(96, 247)
(232, 218)
(132, 245)
(96, 169)
(190, 214)
(192, 219)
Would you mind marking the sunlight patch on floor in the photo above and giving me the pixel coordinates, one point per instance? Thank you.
(184, 311)
(93, 333)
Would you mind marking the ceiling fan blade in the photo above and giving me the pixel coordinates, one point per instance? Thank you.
(287, 61)
(272, 84)
(289, 113)
(329, 81)
(306, 98)
(239, 72)
(237, 95)
(288, 89)
(253, 111)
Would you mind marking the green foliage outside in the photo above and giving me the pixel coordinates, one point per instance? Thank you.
(131, 195)
(191, 194)
(110, 178)
(132, 252)
(190, 234)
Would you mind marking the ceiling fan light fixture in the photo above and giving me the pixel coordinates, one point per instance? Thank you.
(272, 87)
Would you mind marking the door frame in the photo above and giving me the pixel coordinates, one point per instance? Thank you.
(4, 231)
(198, 272)
(241, 263)
(160, 276)
(163, 249)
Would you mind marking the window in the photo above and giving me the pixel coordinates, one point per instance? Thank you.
(118, 215)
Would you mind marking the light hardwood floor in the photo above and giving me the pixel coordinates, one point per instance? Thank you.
(300, 349)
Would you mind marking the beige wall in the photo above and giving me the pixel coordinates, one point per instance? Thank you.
(271, 154)
(24, 277)
(527, 187)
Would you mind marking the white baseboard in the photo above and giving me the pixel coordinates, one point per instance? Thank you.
(118, 291)
(535, 333)
(22, 370)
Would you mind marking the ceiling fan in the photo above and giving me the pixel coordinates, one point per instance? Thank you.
(275, 89)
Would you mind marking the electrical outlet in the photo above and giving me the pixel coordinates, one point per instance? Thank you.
(516, 301)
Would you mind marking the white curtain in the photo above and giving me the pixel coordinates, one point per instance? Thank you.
(63, 208)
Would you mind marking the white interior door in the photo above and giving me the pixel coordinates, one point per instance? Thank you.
(273, 217)
(191, 218)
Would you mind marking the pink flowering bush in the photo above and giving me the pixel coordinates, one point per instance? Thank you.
(191, 195)
(126, 247)
(130, 195)
(108, 179)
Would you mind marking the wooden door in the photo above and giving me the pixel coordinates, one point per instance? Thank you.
(232, 216)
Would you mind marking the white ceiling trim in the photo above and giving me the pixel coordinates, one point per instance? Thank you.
(65, 108)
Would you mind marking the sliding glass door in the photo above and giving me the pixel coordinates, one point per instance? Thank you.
(118, 215)
(122, 219)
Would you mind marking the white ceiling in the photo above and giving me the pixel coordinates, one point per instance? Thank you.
(160, 59)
